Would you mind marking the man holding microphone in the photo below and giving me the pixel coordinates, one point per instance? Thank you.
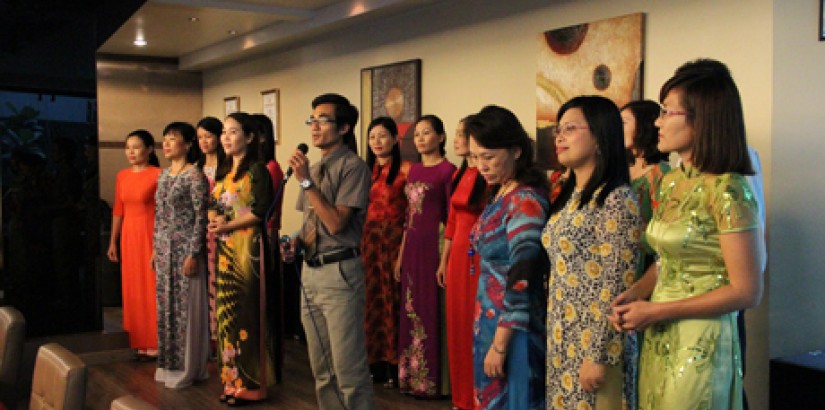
(334, 198)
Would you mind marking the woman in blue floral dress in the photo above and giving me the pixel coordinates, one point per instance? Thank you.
(508, 330)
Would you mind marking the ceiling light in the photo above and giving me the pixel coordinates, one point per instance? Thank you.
(194, 19)
(232, 32)
(139, 42)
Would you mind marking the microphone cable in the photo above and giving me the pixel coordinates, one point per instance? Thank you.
(285, 241)
(327, 359)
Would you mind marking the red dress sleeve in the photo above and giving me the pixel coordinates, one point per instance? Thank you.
(277, 180)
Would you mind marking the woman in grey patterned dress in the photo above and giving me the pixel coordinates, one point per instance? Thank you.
(180, 261)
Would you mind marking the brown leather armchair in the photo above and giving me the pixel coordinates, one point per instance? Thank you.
(130, 402)
(12, 337)
(59, 381)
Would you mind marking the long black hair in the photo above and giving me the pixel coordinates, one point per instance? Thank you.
(266, 138)
(496, 127)
(149, 142)
(605, 123)
(438, 128)
(646, 139)
(213, 126)
(395, 164)
(477, 195)
(189, 135)
(249, 128)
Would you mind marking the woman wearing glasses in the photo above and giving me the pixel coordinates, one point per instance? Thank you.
(705, 233)
(592, 241)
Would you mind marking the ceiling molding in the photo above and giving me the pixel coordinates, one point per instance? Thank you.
(326, 19)
(285, 13)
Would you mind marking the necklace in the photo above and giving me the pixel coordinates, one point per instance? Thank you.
(506, 188)
(176, 173)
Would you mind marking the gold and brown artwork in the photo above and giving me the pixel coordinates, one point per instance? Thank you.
(603, 57)
(393, 90)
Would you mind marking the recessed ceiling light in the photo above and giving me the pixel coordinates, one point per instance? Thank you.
(232, 32)
(194, 19)
(139, 42)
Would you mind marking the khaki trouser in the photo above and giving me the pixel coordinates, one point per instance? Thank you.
(333, 317)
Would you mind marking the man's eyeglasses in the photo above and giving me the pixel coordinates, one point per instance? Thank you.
(319, 121)
(669, 113)
(566, 129)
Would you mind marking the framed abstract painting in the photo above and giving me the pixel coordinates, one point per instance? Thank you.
(392, 90)
(603, 57)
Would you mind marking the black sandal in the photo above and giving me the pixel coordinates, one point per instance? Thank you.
(225, 397)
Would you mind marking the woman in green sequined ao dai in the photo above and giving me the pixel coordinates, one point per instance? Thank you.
(705, 234)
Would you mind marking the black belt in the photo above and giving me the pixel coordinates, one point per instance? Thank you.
(334, 256)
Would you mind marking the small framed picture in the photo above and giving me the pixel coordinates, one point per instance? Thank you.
(231, 104)
(272, 109)
(821, 20)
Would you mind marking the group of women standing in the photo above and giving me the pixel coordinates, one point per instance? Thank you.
(193, 253)
(613, 284)
(617, 286)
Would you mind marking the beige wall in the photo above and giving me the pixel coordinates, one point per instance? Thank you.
(134, 95)
(797, 233)
(480, 52)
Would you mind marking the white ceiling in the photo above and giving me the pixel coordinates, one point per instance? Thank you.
(207, 33)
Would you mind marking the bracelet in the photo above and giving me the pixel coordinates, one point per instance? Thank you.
(493, 347)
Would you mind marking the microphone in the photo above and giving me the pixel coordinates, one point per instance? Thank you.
(304, 149)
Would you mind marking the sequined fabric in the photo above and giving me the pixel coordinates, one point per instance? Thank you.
(694, 363)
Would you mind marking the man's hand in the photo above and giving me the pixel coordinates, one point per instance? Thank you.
(299, 164)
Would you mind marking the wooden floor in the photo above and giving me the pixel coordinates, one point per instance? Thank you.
(109, 381)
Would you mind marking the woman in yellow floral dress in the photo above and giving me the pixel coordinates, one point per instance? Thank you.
(705, 233)
(243, 193)
(592, 241)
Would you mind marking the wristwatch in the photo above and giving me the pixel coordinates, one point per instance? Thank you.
(306, 184)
